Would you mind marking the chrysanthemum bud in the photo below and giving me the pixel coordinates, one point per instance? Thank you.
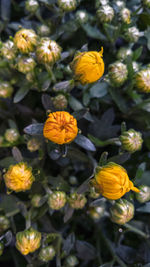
(82, 16)
(1, 248)
(146, 3)
(57, 200)
(96, 212)
(48, 51)
(142, 80)
(67, 5)
(73, 180)
(35, 201)
(132, 34)
(26, 64)
(112, 181)
(122, 211)
(93, 193)
(28, 241)
(44, 30)
(60, 102)
(4, 223)
(60, 127)
(131, 140)
(144, 194)
(88, 67)
(125, 15)
(6, 89)
(25, 40)
(31, 6)
(47, 254)
(105, 13)
(71, 261)
(33, 144)
(19, 177)
(135, 66)
(123, 53)
(99, 3)
(12, 135)
(77, 201)
(120, 4)
(118, 73)
(8, 50)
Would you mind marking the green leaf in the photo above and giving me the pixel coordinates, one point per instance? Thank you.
(137, 53)
(75, 104)
(6, 162)
(99, 89)
(140, 170)
(144, 208)
(84, 142)
(118, 99)
(147, 35)
(121, 158)
(93, 32)
(8, 203)
(21, 93)
(34, 129)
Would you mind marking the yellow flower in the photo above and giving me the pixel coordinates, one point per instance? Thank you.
(60, 127)
(19, 177)
(88, 67)
(112, 181)
(28, 241)
(142, 80)
(25, 40)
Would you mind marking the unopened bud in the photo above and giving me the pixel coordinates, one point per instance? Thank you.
(26, 64)
(67, 5)
(131, 140)
(125, 15)
(123, 53)
(144, 194)
(25, 40)
(99, 3)
(77, 201)
(73, 180)
(146, 3)
(120, 4)
(132, 34)
(118, 73)
(6, 89)
(142, 80)
(105, 13)
(82, 16)
(47, 254)
(135, 66)
(4, 223)
(93, 193)
(57, 200)
(122, 211)
(96, 212)
(8, 50)
(36, 200)
(31, 6)
(71, 261)
(44, 30)
(60, 102)
(33, 144)
(12, 135)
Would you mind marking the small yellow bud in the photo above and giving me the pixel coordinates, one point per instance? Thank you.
(26, 64)
(77, 201)
(125, 15)
(33, 144)
(6, 89)
(4, 223)
(25, 40)
(47, 254)
(12, 135)
(57, 200)
(28, 241)
(8, 50)
(144, 194)
(48, 51)
(131, 140)
(67, 5)
(142, 80)
(122, 211)
(118, 73)
(19, 177)
(105, 13)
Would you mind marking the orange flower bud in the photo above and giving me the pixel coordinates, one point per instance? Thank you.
(112, 181)
(60, 127)
(19, 177)
(88, 67)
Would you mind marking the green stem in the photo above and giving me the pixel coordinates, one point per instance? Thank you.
(50, 72)
(135, 230)
(12, 213)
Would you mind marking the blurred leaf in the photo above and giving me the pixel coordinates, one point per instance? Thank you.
(75, 104)
(17, 154)
(144, 105)
(144, 208)
(55, 154)
(99, 89)
(5, 9)
(121, 158)
(85, 250)
(68, 244)
(84, 186)
(140, 171)
(8, 203)
(93, 32)
(8, 238)
(137, 53)
(68, 213)
(82, 113)
(127, 253)
(47, 102)
(6, 162)
(146, 265)
(147, 35)
(58, 183)
(21, 93)
(108, 264)
(34, 129)
(84, 142)
(118, 99)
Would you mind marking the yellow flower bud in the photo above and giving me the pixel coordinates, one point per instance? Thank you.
(60, 102)
(28, 241)
(6, 89)
(125, 15)
(57, 200)
(88, 67)
(144, 194)
(8, 50)
(122, 211)
(105, 13)
(47, 254)
(112, 181)
(19, 177)
(4, 223)
(131, 140)
(142, 80)
(132, 34)
(67, 5)
(12, 135)
(118, 73)
(60, 127)
(48, 51)
(26, 64)
(77, 201)
(33, 144)
(25, 40)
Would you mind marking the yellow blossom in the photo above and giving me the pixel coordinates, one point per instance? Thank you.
(60, 127)
(112, 181)
(88, 67)
(142, 80)
(19, 177)
(25, 40)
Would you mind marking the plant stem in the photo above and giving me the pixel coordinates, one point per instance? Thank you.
(50, 72)
(135, 230)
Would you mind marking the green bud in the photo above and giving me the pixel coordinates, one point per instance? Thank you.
(26, 64)
(99, 3)
(146, 3)
(82, 16)
(105, 13)
(8, 50)
(122, 211)
(57, 200)
(144, 194)
(132, 34)
(35, 201)
(12, 135)
(71, 261)
(44, 30)
(47, 253)
(120, 4)
(6, 89)
(33, 144)
(118, 73)
(125, 15)
(131, 140)
(60, 101)
(135, 66)
(123, 53)
(73, 180)
(93, 193)
(96, 212)
(1, 248)
(67, 5)
(31, 6)
(4, 223)
(77, 201)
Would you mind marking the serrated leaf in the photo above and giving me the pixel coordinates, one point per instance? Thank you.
(34, 129)
(99, 89)
(20, 94)
(84, 142)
